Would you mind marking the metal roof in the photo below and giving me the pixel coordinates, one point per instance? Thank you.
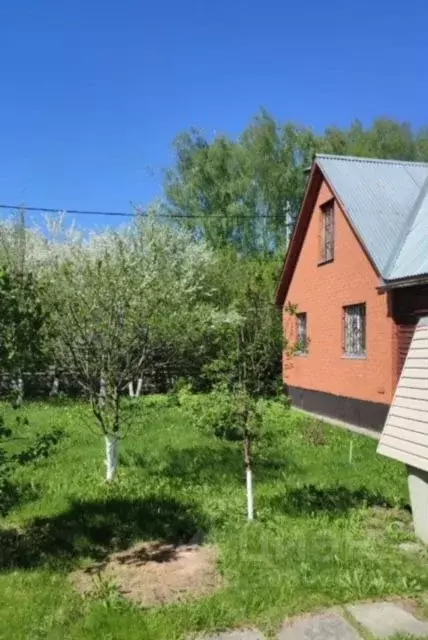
(412, 257)
(387, 203)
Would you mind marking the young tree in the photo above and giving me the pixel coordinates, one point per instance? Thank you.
(247, 365)
(251, 350)
(228, 415)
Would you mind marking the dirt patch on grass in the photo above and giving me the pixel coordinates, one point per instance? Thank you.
(393, 520)
(153, 573)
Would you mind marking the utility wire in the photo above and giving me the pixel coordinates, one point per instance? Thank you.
(123, 214)
(73, 211)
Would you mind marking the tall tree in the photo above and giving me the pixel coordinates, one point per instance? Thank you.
(385, 138)
(244, 192)
(210, 187)
(247, 192)
(279, 155)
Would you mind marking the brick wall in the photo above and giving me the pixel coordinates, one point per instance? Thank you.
(321, 292)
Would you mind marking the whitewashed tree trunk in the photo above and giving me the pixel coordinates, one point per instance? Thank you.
(249, 477)
(112, 456)
(20, 391)
(139, 387)
(55, 387)
(250, 499)
(131, 389)
(18, 388)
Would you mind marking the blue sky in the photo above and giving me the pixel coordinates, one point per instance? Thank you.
(92, 93)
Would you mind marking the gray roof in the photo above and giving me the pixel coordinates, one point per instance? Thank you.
(387, 203)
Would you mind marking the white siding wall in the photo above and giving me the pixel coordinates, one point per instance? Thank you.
(405, 435)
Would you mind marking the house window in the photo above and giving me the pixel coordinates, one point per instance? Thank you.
(327, 231)
(302, 334)
(354, 330)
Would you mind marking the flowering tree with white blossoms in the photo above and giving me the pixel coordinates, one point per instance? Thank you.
(115, 296)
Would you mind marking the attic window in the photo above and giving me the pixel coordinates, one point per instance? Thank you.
(327, 232)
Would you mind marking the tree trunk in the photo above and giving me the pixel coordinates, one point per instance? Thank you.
(103, 393)
(18, 388)
(131, 389)
(20, 396)
(112, 456)
(249, 477)
(351, 447)
(139, 387)
(55, 387)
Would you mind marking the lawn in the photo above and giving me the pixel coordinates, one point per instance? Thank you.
(327, 531)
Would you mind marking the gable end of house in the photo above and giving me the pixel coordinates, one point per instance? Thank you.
(315, 181)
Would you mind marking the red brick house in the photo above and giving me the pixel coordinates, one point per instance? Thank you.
(357, 270)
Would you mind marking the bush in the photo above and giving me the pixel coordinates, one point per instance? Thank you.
(221, 412)
(158, 400)
(39, 447)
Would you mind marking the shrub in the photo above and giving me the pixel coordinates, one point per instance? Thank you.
(38, 447)
(217, 412)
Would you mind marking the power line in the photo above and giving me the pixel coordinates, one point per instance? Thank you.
(123, 214)
(73, 211)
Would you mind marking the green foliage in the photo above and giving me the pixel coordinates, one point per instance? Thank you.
(159, 400)
(386, 138)
(39, 447)
(23, 321)
(229, 416)
(247, 351)
(126, 304)
(211, 180)
(244, 192)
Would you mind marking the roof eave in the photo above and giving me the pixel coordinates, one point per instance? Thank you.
(293, 251)
(399, 283)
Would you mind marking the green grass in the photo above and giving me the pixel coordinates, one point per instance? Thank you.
(326, 531)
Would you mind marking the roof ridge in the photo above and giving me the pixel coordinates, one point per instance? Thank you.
(333, 156)
(407, 227)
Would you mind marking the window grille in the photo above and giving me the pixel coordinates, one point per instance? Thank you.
(302, 334)
(354, 329)
(327, 247)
